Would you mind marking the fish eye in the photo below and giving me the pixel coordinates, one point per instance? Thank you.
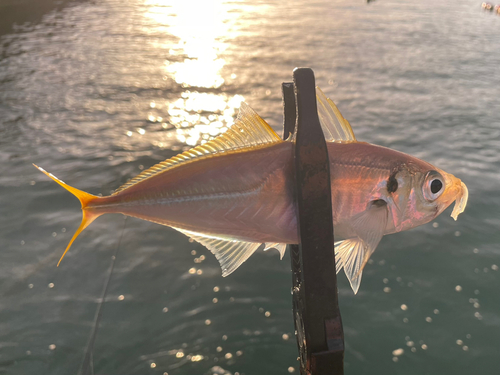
(436, 186)
(433, 186)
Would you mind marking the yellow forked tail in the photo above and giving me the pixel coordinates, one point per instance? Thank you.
(88, 216)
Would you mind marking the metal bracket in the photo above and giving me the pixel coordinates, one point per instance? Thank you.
(318, 324)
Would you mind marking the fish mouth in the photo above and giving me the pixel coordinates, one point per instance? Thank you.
(457, 192)
(460, 201)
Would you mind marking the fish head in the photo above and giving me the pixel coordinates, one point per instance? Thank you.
(453, 190)
(421, 192)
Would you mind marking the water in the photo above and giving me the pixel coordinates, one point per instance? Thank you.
(97, 91)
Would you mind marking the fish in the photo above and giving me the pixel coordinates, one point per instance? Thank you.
(235, 193)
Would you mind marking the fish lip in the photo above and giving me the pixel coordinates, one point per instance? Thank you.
(458, 190)
(460, 201)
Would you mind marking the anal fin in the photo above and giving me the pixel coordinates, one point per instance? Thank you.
(230, 253)
(281, 247)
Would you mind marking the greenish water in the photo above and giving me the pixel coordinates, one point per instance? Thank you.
(100, 90)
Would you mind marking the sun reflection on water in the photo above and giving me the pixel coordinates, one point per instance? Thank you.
(195, 59)
(200, 26)
(210, 114)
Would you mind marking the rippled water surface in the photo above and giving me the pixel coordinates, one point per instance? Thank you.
(99, 90)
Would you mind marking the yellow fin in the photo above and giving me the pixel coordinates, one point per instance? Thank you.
(85, 198)
(87, 218)
(335, 127)
(249, 130)
(82, 196)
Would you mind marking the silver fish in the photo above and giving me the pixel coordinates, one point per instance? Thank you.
(235, 193)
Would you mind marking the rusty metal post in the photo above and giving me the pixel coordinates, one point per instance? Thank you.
(318, 322)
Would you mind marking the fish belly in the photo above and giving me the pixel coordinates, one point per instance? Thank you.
(245, 195)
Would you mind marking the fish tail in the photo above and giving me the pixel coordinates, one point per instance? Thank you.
(88, 216)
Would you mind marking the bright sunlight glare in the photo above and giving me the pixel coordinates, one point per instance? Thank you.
(195, 59)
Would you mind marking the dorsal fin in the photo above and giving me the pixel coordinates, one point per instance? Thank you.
(249, 130)
(335, 127)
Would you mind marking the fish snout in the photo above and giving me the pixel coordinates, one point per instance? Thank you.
(461, 201)
(457, 192)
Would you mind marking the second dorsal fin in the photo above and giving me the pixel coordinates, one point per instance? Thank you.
(249, 130)
(335, 127)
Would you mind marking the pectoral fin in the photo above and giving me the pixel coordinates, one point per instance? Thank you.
(353, 254)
